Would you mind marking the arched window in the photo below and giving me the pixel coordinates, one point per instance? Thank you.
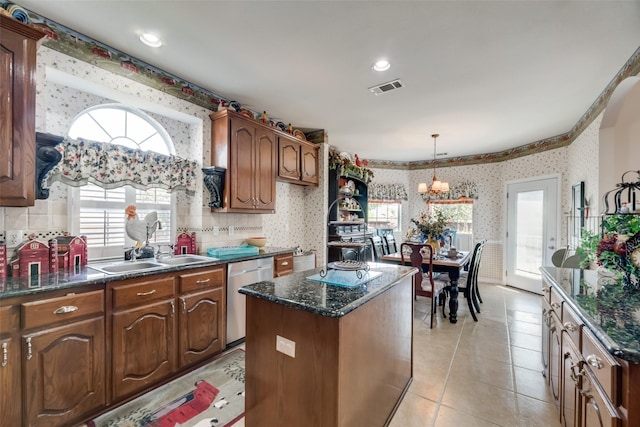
(99, 213)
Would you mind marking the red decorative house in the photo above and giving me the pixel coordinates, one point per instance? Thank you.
(31, 259)
(72, 252)
(185, 243)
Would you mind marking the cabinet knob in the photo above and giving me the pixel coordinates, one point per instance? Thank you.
(594, 361)
(570, 326)
(29, 349)
(555, 305)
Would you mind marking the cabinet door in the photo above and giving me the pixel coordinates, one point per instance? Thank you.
(597, 410)
(10, 402)
(17, 107)
(266, 169)
(309, 163)
(144, 348)
(242, 167)
(288, 158)
(570, 387)
(201, 325)
(64, 373)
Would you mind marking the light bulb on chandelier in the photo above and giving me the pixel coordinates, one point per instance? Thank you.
(437, 187)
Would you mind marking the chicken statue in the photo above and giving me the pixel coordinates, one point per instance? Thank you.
(140, 230)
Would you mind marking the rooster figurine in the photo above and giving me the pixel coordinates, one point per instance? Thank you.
(140, 230)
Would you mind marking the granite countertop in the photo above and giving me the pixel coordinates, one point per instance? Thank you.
(610, 312)
(21, 286)
(327, 300)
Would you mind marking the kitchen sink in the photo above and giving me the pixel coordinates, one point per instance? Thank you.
(185, 259)
(126, 267)
(120, 267)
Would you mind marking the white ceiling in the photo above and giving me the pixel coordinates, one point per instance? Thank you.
(486, 75)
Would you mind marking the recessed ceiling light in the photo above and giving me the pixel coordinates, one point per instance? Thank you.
(150, 40)
(381, 65)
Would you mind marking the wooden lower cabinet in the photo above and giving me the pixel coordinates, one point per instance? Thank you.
(10, 383)
(64, 373)
(571, 373)
(143, 347)
(282, 265)
(201, 331)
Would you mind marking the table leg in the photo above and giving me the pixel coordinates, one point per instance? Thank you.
(453, 302)
(454, 275)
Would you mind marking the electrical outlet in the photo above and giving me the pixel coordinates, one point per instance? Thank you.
(13, 238)
(286, 346)
(216, 230)
(231, 230)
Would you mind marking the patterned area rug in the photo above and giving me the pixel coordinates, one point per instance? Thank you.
(210, 396)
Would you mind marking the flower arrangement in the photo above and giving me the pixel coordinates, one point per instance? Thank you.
(431, 226)
(347, 167)
(609, 250)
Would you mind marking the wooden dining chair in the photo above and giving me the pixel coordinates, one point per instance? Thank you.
(425, 284)
(390, 241)
(376, 248)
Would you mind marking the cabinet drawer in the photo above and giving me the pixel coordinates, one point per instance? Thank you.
(602, 364)
(142, 292)
(282, 265)
(572, 325)
(53, 310)
(202, 280)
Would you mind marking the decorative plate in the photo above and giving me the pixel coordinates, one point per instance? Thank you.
(299, 134)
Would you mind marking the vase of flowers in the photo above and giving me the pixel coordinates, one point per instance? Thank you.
(429, 228)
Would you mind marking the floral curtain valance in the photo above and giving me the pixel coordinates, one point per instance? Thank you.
(111, 166)
(464, 191)
(378, 191)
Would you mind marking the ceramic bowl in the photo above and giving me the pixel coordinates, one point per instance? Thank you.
(257, 241)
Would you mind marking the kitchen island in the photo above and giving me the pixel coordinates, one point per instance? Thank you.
(319, 354)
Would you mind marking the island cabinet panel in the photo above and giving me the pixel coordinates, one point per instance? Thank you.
(18, 45)
(343, 371)
(248, 151)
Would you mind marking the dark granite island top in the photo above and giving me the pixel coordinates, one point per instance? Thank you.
(324, 355)
(298, 292)
(611, 313)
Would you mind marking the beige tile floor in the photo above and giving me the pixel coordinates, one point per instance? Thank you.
(485, 373)
(478, 374)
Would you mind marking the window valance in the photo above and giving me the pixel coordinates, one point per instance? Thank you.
(378, 191)
(111, 166)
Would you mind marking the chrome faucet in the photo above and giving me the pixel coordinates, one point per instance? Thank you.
(149, 226)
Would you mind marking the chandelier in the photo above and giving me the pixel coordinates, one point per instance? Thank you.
(438, 188)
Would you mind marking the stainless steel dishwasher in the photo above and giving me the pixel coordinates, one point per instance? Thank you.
(240, 274)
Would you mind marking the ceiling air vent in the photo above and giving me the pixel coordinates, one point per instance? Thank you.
(386, 87)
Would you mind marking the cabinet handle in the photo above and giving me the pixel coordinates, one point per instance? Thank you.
(555, 305)
(173, 308)
(285, 263)
(203, 281)
(570, 326)
(146, 294)
(594, 361)
(5, 354)
(545, 290)
(184, 306)
(29, 349)
(65, 309)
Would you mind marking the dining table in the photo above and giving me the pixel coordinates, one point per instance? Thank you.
(444, 264)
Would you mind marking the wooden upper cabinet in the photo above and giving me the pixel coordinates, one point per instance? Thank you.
(18, 44)
(288, 159)
(309, 163)
(247, 149)
(297, 161)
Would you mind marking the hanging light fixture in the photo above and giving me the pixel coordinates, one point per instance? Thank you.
(438, 188)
